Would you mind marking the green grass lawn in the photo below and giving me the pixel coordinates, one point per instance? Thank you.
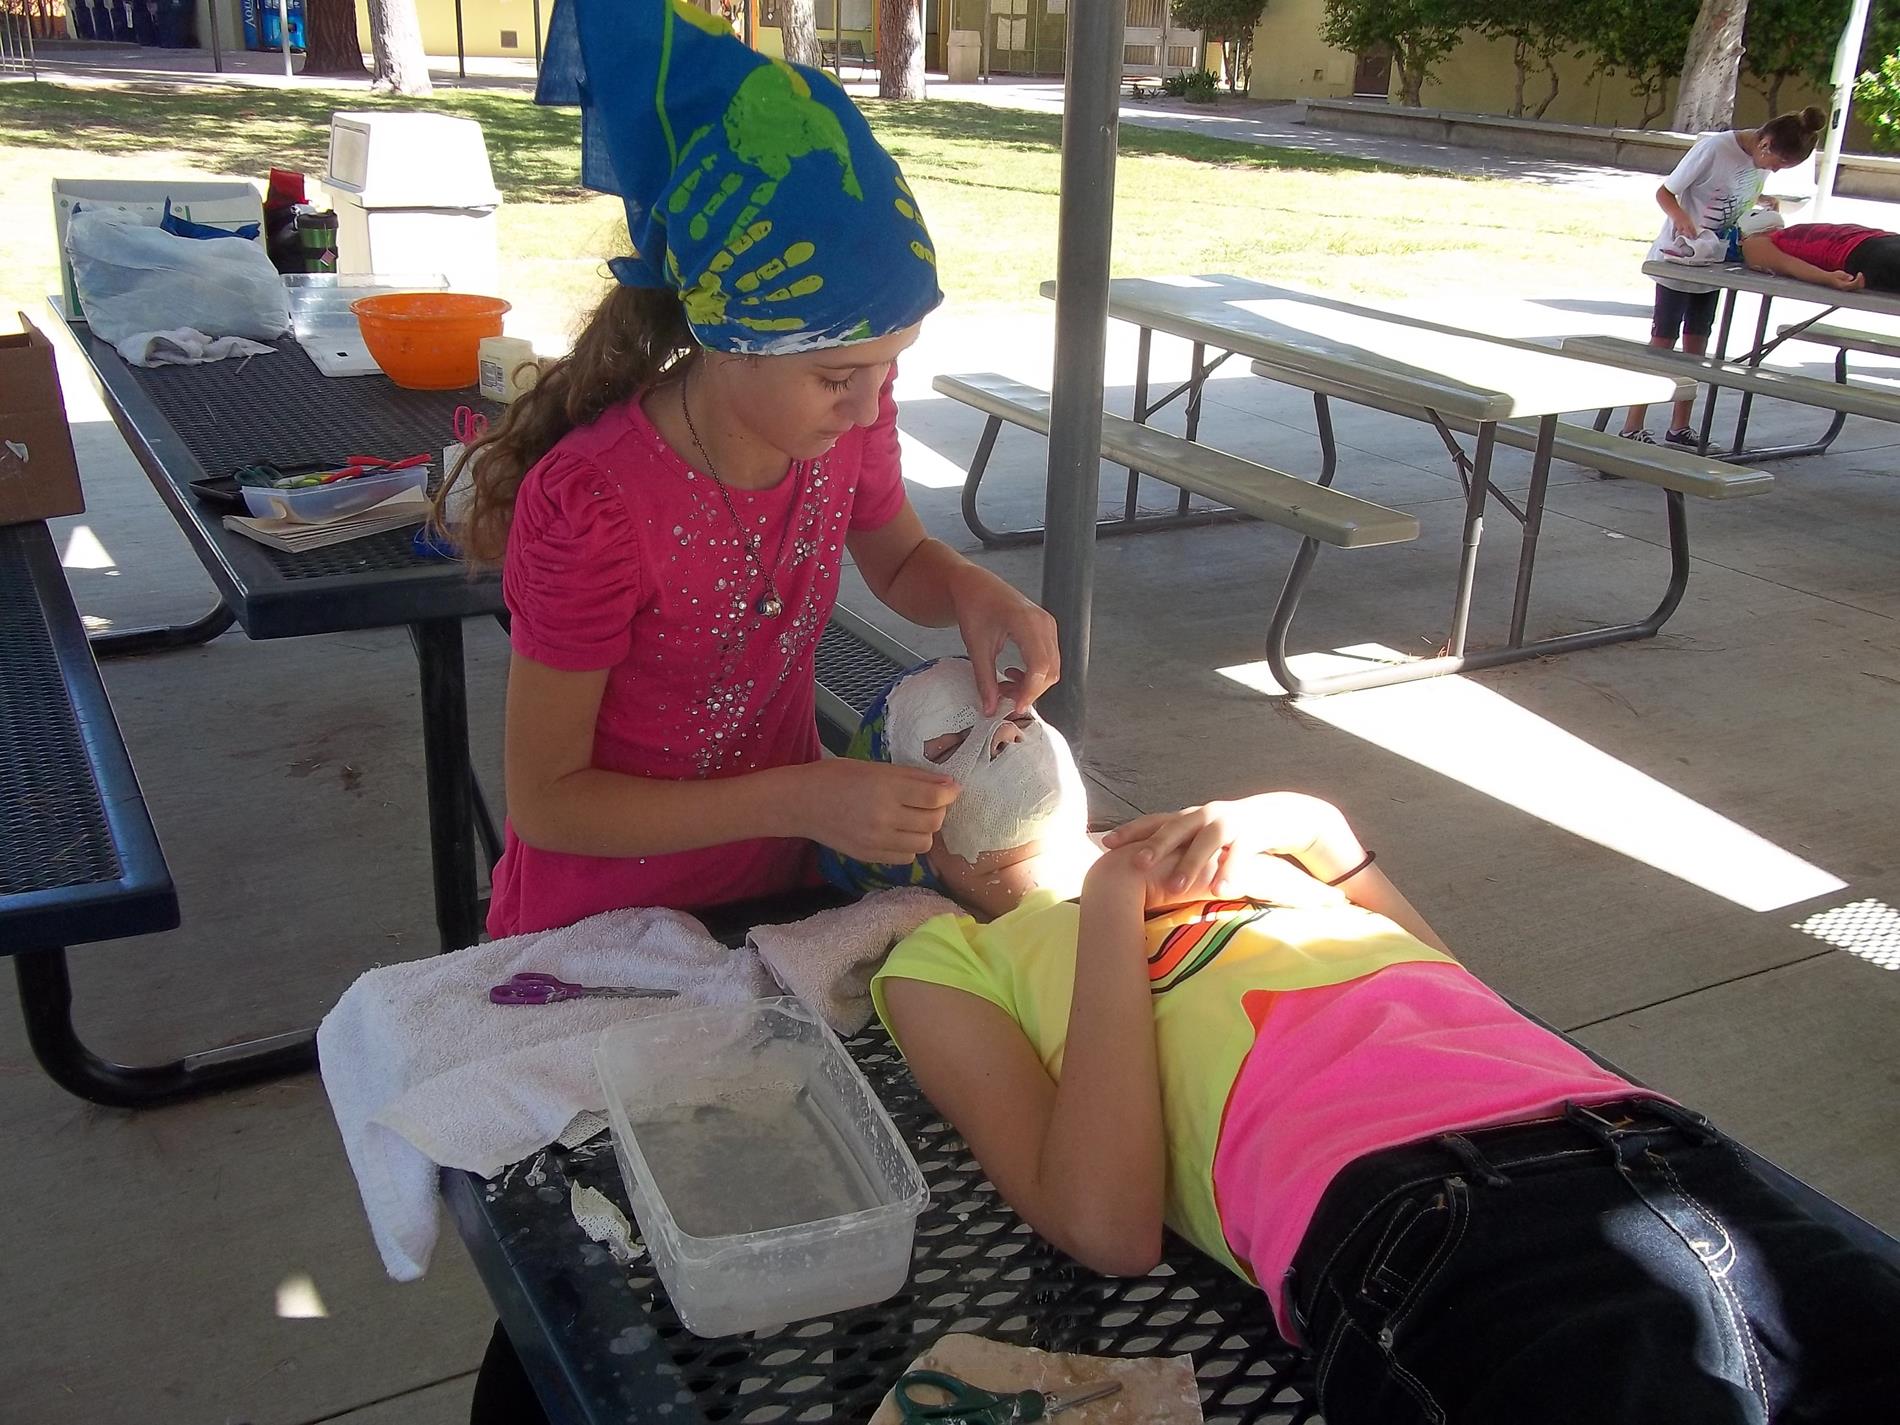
(987, 179)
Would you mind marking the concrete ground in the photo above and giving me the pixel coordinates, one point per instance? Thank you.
(1681, 850)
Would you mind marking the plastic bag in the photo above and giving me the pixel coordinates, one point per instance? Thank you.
(133, 278)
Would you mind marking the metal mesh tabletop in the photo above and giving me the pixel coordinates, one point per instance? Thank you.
(976, 1267)
(282, 409)
(191, 422)
(53, 830)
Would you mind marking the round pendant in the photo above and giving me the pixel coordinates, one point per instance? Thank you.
(771, 606)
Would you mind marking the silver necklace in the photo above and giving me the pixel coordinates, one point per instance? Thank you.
(768, 604)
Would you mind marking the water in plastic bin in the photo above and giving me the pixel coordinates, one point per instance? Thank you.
(759, 1156)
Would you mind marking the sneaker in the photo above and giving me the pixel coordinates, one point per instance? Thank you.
(1684, 437)
(1641, 437)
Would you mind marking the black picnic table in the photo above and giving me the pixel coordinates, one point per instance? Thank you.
(602, 1345)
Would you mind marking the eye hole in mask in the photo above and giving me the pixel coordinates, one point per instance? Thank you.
(940, 750)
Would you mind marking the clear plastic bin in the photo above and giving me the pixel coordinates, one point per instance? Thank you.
(768, 1181)
(317, 503)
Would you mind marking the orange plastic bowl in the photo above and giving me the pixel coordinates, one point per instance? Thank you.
(428, 341)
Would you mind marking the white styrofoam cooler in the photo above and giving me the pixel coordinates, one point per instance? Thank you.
(413, 192)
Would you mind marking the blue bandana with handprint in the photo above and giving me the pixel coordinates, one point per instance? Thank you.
(753, 187)
(872, 743)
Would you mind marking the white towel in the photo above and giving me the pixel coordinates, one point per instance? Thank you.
(1703, 250)
(827, 959)
(422, 1070)
(186, 346)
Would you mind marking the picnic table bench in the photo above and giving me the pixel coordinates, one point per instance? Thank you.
(1457, 381)
(834, 52)
(79, 859)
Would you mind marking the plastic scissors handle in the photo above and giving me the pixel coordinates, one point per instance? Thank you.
(533, 987)
(470, 424)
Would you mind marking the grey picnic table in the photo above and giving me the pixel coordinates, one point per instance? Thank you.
(1733, 280)
(1333, 348)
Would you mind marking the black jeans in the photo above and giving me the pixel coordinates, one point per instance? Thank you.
(1618, 1265)
(1878, 260)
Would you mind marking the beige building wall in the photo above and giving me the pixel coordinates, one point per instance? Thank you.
(1290, 61)
(491, 29)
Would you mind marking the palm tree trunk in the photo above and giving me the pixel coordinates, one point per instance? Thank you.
(798, 29)
(330, 42)
(1705, 99)
(900, 49)
(396, 37)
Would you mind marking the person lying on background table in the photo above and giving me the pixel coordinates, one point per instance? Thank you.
(1844, 256)
(1228, 1020)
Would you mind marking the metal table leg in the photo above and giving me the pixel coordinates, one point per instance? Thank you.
(129, 642)
(1533, 525)
(46, 1003)
(446, 768)
(1386, 674)
(1475, 496)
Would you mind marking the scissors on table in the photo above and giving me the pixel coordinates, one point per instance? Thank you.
(532, 987)
(972, 1405)
(470, 425)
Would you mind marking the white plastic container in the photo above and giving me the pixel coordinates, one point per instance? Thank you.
(413, 192)
(768, 1181)
(316, 503)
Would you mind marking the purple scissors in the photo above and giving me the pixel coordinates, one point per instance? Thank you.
(532, 987)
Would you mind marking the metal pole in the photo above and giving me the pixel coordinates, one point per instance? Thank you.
(283, 22)
(217, 48)
(837, 40)
(537, 38)
(1846, 61)
(461, 50)
(1087, 213)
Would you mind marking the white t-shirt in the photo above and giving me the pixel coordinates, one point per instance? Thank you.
(1716, 182)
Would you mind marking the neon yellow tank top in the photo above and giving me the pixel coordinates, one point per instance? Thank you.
(1212, 968)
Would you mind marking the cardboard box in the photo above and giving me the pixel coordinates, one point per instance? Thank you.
(39, 474)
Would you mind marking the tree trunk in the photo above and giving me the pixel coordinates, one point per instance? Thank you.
(900, 49)
(396, 39)
(331, 45)
(1774, 92)
(1411, 82)
(1550, 98)
(798, 29)
(1706, 97)
(1244, 62)
(1652, 98)
(1521, 64)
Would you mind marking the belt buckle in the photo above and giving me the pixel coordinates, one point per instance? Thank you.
(1623, 1123)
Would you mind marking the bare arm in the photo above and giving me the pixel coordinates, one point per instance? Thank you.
(1241, 847)
(928, 582)
(1761, 253)
(558, 800)
(1675, 212)
(1082, 1161)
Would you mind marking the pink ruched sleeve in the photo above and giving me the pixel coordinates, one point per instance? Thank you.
(881, 477)
(571, 575)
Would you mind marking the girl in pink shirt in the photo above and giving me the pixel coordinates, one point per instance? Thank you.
(672, 505)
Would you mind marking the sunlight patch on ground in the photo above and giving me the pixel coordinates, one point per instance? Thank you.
(1473, 735)
(84, 551)
(298, 1298)
(1869, 929)
(926, 467)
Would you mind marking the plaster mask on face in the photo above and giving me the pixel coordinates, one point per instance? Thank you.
(1029, 791)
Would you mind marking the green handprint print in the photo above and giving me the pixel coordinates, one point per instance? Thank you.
(709, 303)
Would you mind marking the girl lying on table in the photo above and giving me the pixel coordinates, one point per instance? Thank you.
(1242, 1029)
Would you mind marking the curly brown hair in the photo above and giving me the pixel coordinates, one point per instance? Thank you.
(636, 336)
(1792, 136)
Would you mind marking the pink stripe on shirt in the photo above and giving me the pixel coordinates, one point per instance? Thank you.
(1336, 1073)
